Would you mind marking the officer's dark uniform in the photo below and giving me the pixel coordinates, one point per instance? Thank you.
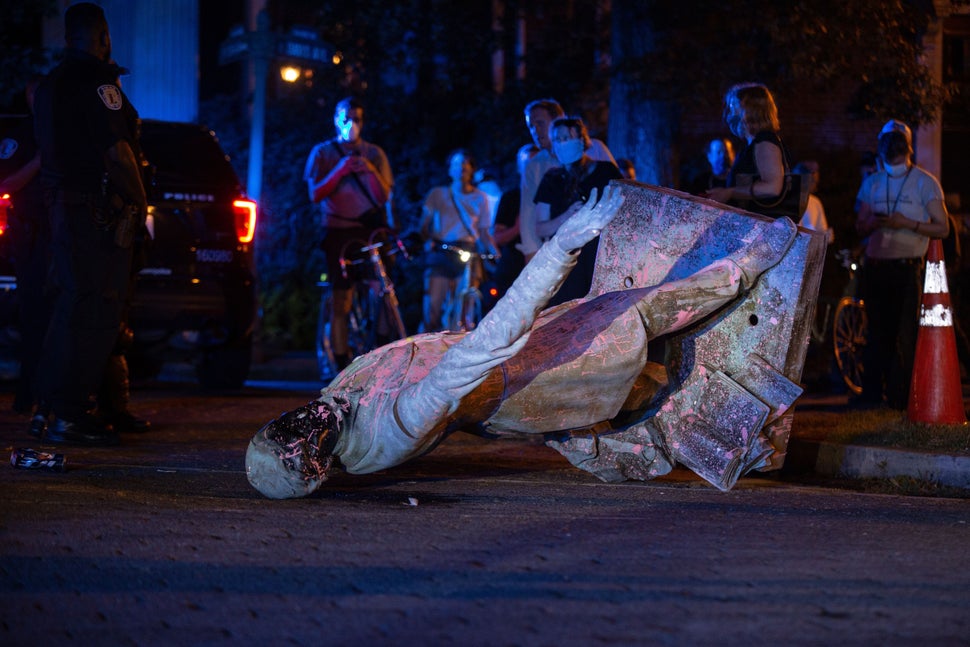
(29, 245)
(81, 113)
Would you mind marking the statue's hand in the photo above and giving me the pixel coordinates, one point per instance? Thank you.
(587, 223)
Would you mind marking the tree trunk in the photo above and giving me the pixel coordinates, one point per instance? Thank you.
(642, 128)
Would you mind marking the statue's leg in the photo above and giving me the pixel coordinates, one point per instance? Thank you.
(679, 304)
(636, 452)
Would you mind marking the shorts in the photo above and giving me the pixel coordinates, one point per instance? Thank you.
(342, 241)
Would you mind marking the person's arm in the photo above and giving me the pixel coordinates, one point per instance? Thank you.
(771, 181)
(542, 210)
(866, 220)
(824, 224)
(19, 178)
(505, 329)
(427, 217)
(505, 234)
(937, 227)
(124, 174)
(546, 227)
(380, 187)
(527, 216)
(485, 236)
(771, 171)
(322, 188)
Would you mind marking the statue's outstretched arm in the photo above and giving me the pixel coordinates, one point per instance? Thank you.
(505, 330)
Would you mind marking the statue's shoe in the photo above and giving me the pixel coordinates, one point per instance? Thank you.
(765, 251)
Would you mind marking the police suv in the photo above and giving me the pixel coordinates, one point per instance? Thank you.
(195, 295)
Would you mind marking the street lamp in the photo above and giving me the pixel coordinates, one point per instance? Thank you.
(290, 73)
(301, 45)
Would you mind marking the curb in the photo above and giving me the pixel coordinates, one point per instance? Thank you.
(862, 462)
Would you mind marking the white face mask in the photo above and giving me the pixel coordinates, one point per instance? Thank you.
(895, 170)
(568, 151)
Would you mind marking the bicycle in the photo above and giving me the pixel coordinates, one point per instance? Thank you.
(463, 313)
(849, 325)
(375, 315)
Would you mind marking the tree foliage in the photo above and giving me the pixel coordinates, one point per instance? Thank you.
(423, 71)
(20, 55)
(699, 48)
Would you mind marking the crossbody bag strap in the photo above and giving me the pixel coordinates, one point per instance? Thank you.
(462, 214)
(353, 174)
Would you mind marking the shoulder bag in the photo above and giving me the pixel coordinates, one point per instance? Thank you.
(791, 202)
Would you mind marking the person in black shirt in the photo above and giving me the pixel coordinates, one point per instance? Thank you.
(564, 190)
(91, 178)
(751, 114)
(720, 157)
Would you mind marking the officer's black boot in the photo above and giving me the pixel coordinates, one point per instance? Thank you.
(114, 397)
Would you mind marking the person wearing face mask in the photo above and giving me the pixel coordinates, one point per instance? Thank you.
(351, 180)
(751, 114)
(539, 115)
(564, 190)
(901, 207)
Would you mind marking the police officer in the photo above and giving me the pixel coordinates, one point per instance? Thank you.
(91, 178)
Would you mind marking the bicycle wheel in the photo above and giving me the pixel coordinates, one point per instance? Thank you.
(849, 340)
(362, 321)
(356, 335)
(326, 366)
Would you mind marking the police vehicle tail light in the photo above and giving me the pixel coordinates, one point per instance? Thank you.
(245, 211)
(4, 204)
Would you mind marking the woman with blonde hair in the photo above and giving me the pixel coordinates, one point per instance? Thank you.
(759, 170)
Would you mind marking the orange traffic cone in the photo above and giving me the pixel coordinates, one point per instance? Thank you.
(935, 395)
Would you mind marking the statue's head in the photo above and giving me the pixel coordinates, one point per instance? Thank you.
(291, 455)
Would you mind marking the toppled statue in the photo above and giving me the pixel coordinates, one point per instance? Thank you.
(577, 373)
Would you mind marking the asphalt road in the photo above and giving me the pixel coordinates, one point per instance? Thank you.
(162, 541)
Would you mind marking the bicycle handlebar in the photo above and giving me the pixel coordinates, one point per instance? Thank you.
(367, 247)
(466, 255)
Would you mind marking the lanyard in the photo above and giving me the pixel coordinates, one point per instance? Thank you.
(898, 193)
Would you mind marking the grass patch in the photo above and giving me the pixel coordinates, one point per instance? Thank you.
(882, 428)
(897, 485)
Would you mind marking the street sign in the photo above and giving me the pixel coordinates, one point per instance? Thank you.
(302, 50)
(301, 45)
(235, 47)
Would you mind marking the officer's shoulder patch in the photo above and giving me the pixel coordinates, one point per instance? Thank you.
(110, 96)
(7, 148)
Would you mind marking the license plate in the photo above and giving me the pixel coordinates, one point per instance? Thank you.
(213, 255)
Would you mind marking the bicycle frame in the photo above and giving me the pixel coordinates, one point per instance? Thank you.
(465, 311)
(374, 301)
